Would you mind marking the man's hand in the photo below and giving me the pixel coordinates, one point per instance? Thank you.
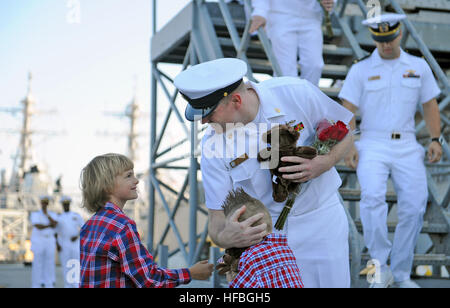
(257, 22)
(327, 4)
(201, 270)
(242, 234)
(434, 152)
(352, 158)
(306, 169)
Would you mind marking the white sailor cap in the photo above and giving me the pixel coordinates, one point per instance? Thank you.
(45, 197)
(204, 85)
(384, 28)
(65, 199)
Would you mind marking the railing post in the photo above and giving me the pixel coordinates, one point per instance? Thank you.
(214, 255)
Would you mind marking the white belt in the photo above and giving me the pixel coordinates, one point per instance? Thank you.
(388, 135)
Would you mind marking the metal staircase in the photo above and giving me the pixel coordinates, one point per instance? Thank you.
(204, 31)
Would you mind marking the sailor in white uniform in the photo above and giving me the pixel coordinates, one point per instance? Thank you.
(43, 245)
(295, 30)
(68, 231)
(387, 88)
(317, 227)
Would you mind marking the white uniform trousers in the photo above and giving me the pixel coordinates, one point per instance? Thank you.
(43, 266)
(69, 255)
(404, 160)
(292, 36)
(319, 240)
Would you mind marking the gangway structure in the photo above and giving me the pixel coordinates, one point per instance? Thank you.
(204, 31)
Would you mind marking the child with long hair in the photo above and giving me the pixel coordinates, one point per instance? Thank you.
(112, 254)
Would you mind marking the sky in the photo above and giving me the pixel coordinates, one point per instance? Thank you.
(85, 56)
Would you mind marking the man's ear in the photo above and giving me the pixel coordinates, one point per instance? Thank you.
(236, 100)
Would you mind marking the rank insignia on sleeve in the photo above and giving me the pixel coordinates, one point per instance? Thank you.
(377, 77)
(299, 127)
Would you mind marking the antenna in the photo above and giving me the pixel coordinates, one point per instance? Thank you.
(23, 158)
(132, 113)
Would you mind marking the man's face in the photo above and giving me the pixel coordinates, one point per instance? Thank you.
(44, 204)
(66, 206)
(390, 50)
(223, 114)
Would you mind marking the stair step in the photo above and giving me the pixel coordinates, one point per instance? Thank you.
(329, 70)
(419, 259)
(426, 228)
(255, 46)
(331, 92)
(334, 50)
(355, 195)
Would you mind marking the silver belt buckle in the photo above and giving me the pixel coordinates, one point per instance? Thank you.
(395, 136)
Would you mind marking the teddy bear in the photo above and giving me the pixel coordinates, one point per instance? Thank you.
(288, 136)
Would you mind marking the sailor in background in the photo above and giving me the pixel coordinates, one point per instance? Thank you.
(387, 87)
(68, 235)
(43, 245)
(295, 30)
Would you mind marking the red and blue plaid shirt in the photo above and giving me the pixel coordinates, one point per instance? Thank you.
(112, 255)
(269, 264)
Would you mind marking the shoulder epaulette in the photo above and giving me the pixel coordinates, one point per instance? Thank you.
(361, 59)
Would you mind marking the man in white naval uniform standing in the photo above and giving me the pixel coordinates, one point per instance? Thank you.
(68, 231)
(295, 30)
(43, 245)
(387, 88)
(317, 227)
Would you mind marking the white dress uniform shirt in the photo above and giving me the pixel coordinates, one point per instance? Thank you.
(387, 93)
(387, 98)
(69, 224)
(321, 249)
(43, 245)
(39, 218)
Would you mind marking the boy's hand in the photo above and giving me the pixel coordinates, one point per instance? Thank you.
(201, 270)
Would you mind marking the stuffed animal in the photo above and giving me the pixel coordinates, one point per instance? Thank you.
(286, 146)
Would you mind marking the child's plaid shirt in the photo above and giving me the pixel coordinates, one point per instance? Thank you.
(269, 264)
(112, 255)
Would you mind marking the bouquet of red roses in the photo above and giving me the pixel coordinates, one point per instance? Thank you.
(328, 134)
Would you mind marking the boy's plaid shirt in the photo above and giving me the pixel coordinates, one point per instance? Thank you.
(112, 255)
(269, 264)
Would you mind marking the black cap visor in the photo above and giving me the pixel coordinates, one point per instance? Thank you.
(202, 107)
(193, 114)
(387, 35)
(385, 39)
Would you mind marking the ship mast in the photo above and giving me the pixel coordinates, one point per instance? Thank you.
(25, 138)
(23, 154)
(132, 113)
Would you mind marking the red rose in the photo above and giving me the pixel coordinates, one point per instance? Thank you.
(342, 130)
(334, 132)
(323, 130)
